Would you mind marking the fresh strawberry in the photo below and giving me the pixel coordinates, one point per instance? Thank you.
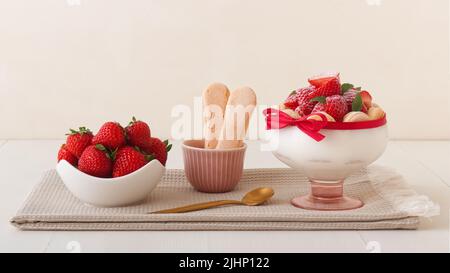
(77, 141)
(366, 98)
(158, 149)
(322, 79)
(96, 160)
(320, 107)
(138, 133)
(335, 106)
(292, 101)
(305, 105)
(111, 135)
(349, 98)
(128, 160)
(66, 155)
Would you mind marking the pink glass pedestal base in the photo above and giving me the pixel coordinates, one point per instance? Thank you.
(327, 196)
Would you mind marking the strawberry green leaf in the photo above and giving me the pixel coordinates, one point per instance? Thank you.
(72, 132)
(169, 147)
(81, 131)
(113, 154)
(345, 87)
(320, 99)
(133, 121)
(100, 147)
(357, 103)
(140, 150)
(166, 142)
(358, 88)
(292, 93)
(149, 157)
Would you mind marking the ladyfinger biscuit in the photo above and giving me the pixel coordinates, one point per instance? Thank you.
(319, 118)
(215, 99)
(376, 113)
(291, 113)
(238, 112)
(356, 117)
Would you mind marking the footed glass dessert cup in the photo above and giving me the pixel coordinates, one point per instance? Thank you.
(344, 148)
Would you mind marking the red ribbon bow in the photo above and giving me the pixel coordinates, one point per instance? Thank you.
(276, 119)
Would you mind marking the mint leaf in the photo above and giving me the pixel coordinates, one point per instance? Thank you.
(345, 87)
(357, 103)
(320, 99)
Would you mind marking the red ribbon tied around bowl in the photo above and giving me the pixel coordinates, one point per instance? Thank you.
(276, 119)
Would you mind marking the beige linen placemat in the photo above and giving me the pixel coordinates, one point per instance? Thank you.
(389, 204)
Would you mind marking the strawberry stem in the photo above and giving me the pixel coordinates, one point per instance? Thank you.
(133, 121)
(109, 153)
(82, 130)
(149, 157)
(100, 147)
(168, 146)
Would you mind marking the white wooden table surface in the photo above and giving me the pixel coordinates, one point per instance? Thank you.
(425, 164)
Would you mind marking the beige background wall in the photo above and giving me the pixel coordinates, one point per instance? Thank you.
(65, 63)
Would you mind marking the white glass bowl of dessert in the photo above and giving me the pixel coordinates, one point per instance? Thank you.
(329, 162)
(352, 134)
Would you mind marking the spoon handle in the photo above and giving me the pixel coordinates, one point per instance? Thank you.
(200, 206)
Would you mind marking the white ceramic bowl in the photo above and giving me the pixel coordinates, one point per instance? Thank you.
(112, 192)
(341, 153)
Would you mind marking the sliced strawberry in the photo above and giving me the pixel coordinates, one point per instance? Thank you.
(329, 88)
(366, 98)
(292, 101)
(323, 78)
(364, 109)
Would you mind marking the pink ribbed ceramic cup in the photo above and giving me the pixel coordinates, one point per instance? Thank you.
(212, 170)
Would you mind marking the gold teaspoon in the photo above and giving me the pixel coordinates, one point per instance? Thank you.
(253, 198)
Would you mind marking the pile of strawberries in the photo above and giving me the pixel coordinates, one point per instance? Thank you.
(114, 151)
(327, 94)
